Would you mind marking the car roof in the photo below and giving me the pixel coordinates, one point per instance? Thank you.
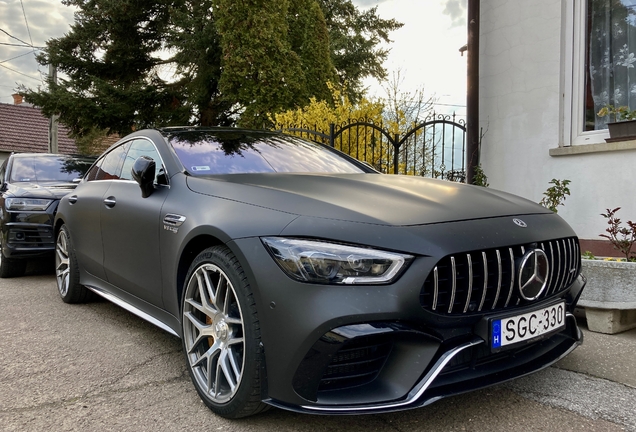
(21, 155)
(175, 130)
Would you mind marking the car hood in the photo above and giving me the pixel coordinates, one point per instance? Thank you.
(49, 190)
(367, 198)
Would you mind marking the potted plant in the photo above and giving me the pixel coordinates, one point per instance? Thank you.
(624, 125)
(609, 297)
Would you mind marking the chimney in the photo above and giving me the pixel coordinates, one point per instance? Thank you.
(17, 99)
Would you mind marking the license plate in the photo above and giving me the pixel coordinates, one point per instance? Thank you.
(519, 328)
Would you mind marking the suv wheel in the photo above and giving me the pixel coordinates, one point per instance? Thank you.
(10, 268)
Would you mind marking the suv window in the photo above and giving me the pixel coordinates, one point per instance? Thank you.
(47, 168)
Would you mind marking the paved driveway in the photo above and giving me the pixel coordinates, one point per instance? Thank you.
(98, 367)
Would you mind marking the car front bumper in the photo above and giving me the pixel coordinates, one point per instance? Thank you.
(365, 349)
(387, 355)
(28, 235)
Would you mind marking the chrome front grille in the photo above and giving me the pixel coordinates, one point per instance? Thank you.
(481, 281)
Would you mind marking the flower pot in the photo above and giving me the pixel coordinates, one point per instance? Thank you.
(622, 131)
(609, 298)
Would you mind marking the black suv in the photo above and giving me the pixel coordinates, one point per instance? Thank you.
(30, 191)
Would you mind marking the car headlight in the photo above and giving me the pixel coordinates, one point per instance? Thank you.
(28, 204)
(330, 263)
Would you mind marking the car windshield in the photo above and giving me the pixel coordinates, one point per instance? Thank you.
(234, 152)
(37, 169)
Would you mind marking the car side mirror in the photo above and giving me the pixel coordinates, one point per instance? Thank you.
(143, 171)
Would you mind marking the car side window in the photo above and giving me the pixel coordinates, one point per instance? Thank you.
(140, 147)
(110, 168)
(92, 173)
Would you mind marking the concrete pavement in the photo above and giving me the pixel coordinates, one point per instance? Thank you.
(97, 367)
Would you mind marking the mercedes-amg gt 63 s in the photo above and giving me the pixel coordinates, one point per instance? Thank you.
(300, 278)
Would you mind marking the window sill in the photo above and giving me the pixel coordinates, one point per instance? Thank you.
(593, 148)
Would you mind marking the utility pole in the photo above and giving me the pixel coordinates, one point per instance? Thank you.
(53, 120)
(472, 93)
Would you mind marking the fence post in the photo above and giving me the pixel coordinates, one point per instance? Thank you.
(396, 153)
(332, 128)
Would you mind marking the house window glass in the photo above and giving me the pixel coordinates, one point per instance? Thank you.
(610, 72)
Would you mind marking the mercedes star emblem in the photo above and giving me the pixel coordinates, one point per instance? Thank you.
(520, 223)
(533, 274)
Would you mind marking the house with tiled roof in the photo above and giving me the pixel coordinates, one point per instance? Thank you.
(23, 128)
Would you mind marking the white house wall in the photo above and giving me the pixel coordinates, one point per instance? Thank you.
(522, 85)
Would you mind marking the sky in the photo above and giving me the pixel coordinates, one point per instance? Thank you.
(425, 50)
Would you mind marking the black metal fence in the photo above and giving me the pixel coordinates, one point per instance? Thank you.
(435, 147)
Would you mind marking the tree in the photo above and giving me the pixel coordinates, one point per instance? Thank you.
(196, 46)
(309, 38)
(266, 67)
(319, 115)
(399, 113)
(111, 57)
(135, 63)
(356, 39)
(403, 111)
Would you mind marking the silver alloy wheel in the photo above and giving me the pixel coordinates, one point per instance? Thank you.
(62, 270)
(213, 333)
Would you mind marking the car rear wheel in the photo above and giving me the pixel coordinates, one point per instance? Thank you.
(10, 268)
(67, 271)
(221, 335)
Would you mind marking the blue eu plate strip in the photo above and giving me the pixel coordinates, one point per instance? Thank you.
(496, 334)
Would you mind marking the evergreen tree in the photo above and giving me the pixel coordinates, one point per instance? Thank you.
(195, 42)
(111, 57)
(261, 72)
(356, 39)
(130, 64)
(309, 38)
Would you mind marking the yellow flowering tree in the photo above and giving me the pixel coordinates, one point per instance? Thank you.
(367, 130)
(364, 142)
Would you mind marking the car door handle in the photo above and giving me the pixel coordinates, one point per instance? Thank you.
(110, 201)
(72, 199)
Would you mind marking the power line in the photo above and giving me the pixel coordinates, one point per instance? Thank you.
(20, 45)
(13, 58)
(451, 105)
(30, 38)
(27, 24)
(13, 37)
(18, 72)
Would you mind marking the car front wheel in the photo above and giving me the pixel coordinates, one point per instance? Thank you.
(221, 335)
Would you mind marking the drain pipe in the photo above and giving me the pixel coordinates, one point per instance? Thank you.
(472, 92)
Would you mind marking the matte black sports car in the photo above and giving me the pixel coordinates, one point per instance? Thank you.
(300, 278)
(31, 185)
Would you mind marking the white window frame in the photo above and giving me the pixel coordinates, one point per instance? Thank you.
(575, 17)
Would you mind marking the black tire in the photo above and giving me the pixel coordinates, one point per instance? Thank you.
(67, 270)
(231, 319)
(10, 268)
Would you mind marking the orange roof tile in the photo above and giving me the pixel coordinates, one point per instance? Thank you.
(23, 128)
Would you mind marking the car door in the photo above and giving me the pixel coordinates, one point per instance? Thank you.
(130, 227)
(87, 201)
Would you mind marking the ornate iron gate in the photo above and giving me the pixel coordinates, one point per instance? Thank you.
(435, 147)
